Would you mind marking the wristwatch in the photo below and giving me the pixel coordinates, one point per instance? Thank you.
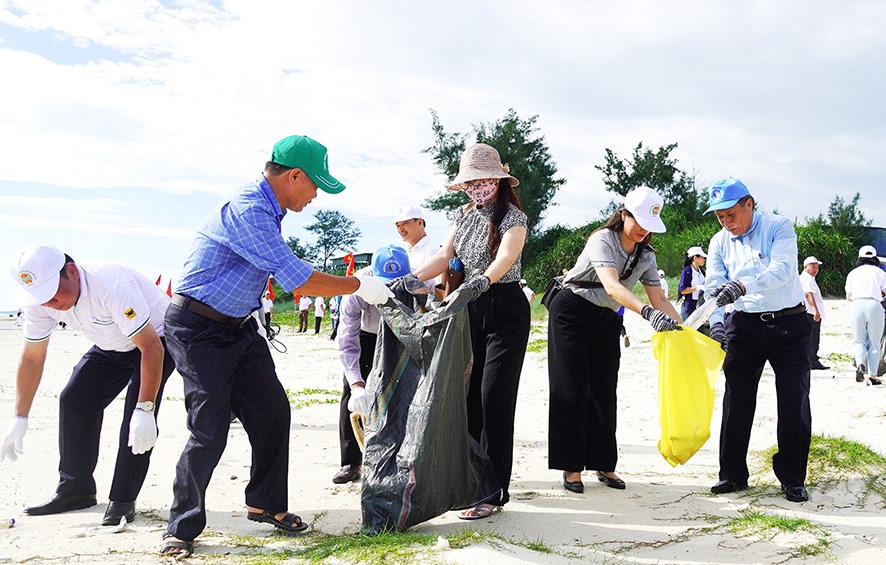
(146, 406)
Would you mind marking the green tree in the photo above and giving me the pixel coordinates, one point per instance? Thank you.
(304, 251)
(520, 146)
(335, 232)
(658, 171)
(845, 218)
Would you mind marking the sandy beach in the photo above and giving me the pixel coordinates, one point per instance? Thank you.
(666, 515)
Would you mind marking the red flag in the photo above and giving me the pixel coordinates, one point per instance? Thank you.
(349, 259)
(271, 289)
(160, 276)
(169, 289)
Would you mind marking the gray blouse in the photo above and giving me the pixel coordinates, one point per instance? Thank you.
(472, 239)
(604, 249)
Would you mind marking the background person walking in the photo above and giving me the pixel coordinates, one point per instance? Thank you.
(865, 286)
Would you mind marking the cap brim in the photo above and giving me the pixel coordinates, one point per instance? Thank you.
(327, 183)
(722, 205)
(39, 295)
(651, 224)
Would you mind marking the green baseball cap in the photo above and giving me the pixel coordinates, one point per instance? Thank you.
(302, 152)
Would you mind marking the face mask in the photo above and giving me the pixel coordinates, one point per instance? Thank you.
(481, 191)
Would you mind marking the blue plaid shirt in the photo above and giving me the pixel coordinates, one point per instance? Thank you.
(236, 248)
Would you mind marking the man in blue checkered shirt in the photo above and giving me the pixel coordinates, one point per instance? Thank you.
(226, 365)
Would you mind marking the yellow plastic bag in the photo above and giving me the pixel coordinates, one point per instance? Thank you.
(688, 365)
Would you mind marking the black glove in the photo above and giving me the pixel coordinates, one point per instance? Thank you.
(476, 286)
(727, 293)
(660, 321)
(718, 334)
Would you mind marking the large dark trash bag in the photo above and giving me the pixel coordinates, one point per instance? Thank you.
(419, 460)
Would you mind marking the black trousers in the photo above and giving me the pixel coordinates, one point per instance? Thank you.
(583, 361)
(97, 380)
(499, 321)
(317, 321)
(226, 370)
(350, 449)
(814, 339)
(784, 342)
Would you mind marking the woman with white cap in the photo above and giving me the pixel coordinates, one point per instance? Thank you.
(488, 236)
(583, 332)
(865, 287)
(691, 287)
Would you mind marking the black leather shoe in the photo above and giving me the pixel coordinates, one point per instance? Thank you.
(117, 510)
(860, 372)
(611, 483)
(795, 494)
(62, 503)
(347, 474)
(577, 487)
(723, 487)
(819, 367)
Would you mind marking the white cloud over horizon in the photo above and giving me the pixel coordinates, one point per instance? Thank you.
(184, 99)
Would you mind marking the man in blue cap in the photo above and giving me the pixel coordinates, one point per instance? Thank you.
(359, 324)
(226, 365)
(752, 264)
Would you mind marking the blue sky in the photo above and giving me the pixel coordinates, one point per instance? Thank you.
(122, 123)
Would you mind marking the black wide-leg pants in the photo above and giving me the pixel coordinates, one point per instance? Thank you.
(583, 361)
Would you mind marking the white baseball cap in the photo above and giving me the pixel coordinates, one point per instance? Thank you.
(695, 250)
(36, 270)
(645, 205)
(810, 260)
(661, 273)
(407, 213)
(867, 251)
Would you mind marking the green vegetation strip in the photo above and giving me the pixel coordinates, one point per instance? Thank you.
(767, 526)
(310, 396)
(537, 346)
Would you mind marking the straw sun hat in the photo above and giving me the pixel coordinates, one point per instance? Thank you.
(481, 161)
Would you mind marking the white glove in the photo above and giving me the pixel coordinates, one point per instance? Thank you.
(359, 401)
(372, 290)
(13, 442)
(142, 432)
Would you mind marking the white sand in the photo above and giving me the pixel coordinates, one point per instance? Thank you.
(666, 515)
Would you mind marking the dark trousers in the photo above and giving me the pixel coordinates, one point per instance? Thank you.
(784, 342)
(814, 340)
(302, 321)
(317, 321)
(583, 362)
(97, 380)
(350, 449)
(226, 370)
(499, 321)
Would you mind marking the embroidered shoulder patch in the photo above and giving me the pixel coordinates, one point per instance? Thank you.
(129, 313)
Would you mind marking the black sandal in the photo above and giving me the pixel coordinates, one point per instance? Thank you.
(176, 548)
(290, 523)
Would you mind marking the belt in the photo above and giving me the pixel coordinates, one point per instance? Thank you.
(769, 316)
(197, 307)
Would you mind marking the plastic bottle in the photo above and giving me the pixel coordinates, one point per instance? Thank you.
(6, 523)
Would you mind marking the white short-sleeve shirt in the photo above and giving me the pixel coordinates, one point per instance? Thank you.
(423, 250)
(115, 303)
(810, 286)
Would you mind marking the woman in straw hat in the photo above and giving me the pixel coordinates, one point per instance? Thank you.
(488, 236)
(583, 332)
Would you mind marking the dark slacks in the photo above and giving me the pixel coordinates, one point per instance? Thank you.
(499, 321)
(583, 361)
(226, 370)
(317, 321)
(784, 342)
(350, 449)
(302, 321)
(814, 340)
(97, 380)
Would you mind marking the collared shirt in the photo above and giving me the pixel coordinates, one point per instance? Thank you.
(810, 286)
(355, 315)
(604, 249)
(764, 260)
(115, 303)
(319, 307)
(304, 304)
(423, 250)
(236, 248)
(866, 281)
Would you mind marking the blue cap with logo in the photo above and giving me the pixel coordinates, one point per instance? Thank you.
(725, 194)
(390, 262)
